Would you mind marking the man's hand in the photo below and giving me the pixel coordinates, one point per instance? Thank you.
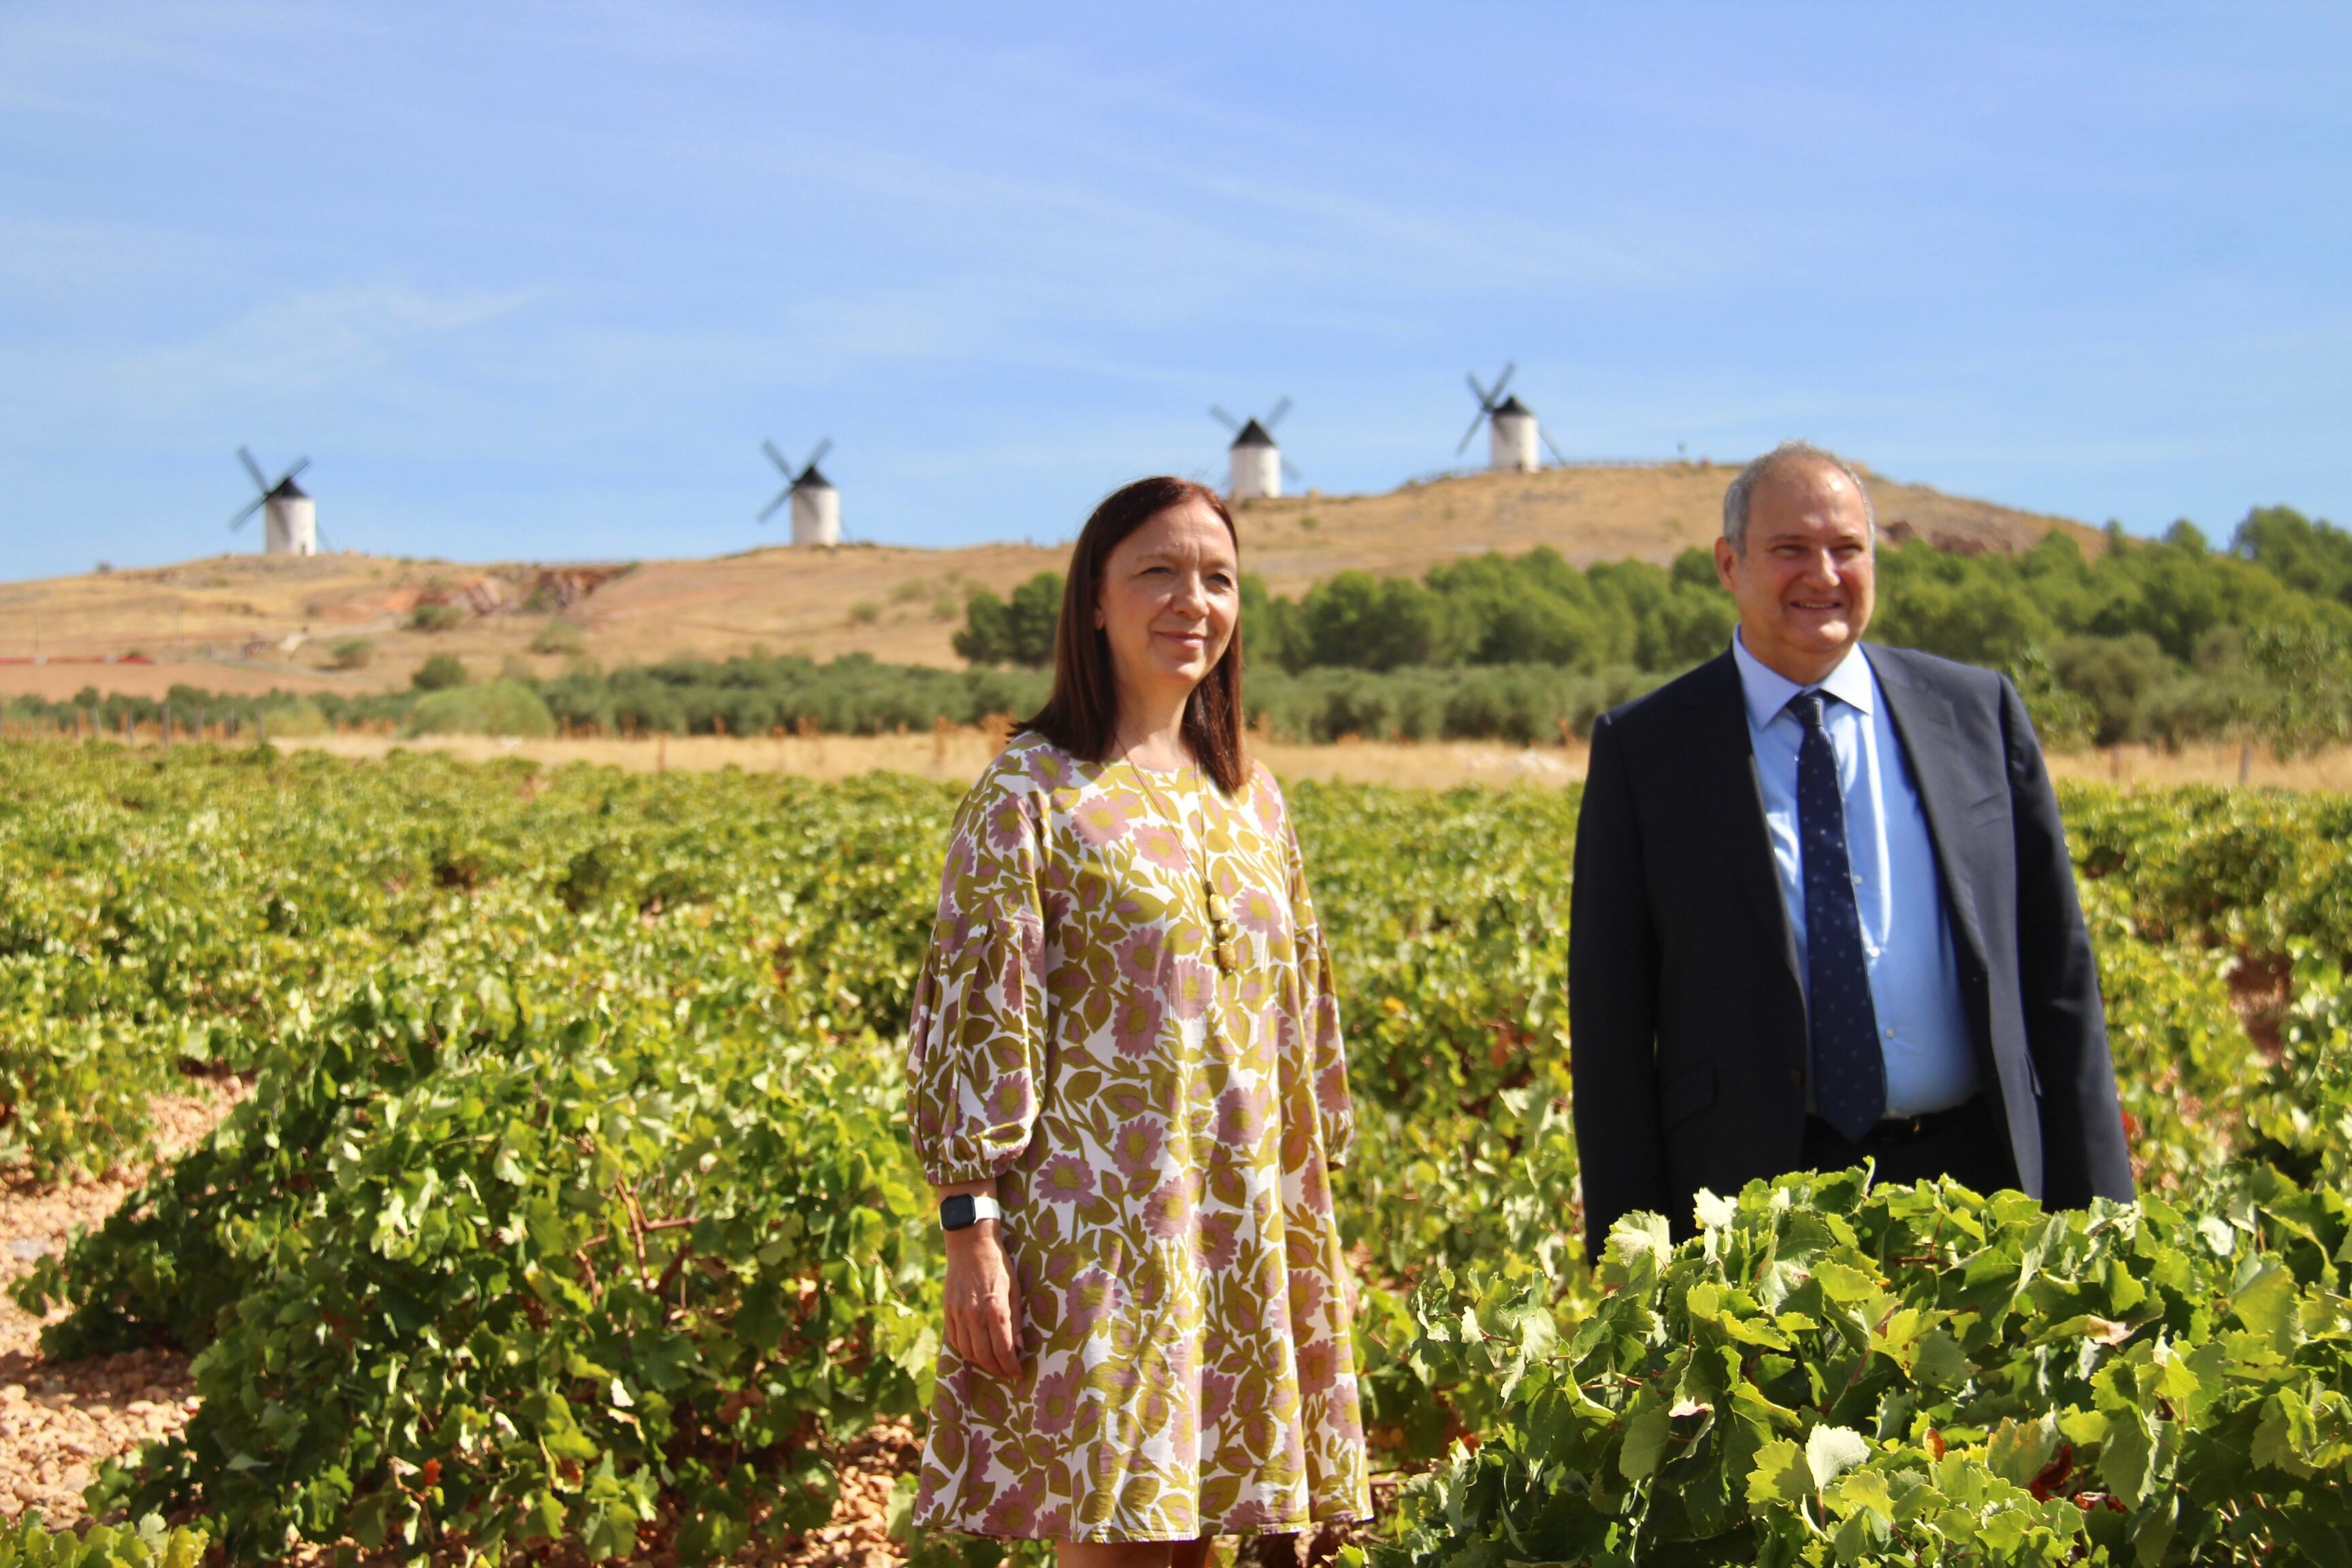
(983, 1304)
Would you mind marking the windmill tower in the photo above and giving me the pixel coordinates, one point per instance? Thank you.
(816, 504)
(289, 518)
(1257, 465)
(1512, 432)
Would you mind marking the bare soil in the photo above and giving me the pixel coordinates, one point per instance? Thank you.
(59, 1420)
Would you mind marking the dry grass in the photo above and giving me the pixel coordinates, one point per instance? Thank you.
(2145, 766)
(225, 623)
(960, 754)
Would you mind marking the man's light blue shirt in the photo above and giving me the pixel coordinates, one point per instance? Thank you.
(1907, 934)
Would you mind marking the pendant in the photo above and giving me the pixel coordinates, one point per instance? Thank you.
(1223, 937)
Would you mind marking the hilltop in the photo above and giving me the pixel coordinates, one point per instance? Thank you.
(246, 623)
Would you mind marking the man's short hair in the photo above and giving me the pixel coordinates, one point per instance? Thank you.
(1735, 499)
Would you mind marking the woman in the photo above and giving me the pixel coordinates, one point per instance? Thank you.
(1125, 1036)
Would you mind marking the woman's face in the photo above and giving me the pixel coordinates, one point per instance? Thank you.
(1170, 597)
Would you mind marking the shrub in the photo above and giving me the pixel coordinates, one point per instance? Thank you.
(26, 1543)
(1018, 631)
(295, 717)
(1525, 703)
(442, 672)
(559, 637)
(643, 1318)
(435, 618)
(356, 654)
(1838, 1373)
(500, 708)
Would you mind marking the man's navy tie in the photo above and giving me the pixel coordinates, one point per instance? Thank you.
(1849, 1068)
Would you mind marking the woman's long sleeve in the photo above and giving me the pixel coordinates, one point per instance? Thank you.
(1326, 1054)
(976, 1039)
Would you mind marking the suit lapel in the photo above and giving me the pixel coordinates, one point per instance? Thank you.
(1931, 743)
(1731, 799)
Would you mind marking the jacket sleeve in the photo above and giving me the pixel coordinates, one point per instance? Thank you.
(976, 1039)
(1612, 977)
(2083, 1151)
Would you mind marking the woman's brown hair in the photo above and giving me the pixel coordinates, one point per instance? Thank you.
(1081, 716)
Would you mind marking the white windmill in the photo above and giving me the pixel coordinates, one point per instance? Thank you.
(1512, 432)
(290, 518)
(1257, 465)
(816, 504)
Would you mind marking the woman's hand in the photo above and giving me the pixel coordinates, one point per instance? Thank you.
(983, 1303)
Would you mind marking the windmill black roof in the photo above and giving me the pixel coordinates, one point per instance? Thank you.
(812, 478)
(1253, 435)
(1512, 405)
(287, 490)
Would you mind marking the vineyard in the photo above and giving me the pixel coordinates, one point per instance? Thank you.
(571, 1205)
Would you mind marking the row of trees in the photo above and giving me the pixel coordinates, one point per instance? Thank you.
(2164, 640)
(1493, 610)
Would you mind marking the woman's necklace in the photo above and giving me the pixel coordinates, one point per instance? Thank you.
(1224, 939)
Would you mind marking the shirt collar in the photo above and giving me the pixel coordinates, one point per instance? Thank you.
(1767, 690)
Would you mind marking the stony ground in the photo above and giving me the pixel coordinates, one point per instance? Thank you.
(59, 1420)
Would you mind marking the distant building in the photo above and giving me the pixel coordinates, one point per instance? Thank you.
(290, 520)
(816, 509)
(1257, 464)
(1511, 439)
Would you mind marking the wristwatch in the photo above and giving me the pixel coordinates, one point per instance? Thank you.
(965, 1210)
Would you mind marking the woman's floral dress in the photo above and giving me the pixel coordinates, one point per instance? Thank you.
(1162, 1130)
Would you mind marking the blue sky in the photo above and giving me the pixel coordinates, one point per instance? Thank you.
(534, 281)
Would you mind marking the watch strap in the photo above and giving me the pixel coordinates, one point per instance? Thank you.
(968, 1209)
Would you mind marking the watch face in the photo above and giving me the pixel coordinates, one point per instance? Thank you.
(956, 1212)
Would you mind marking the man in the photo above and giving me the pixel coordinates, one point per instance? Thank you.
(1824, 911)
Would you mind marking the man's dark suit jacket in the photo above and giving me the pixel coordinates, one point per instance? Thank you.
(1686, 1019)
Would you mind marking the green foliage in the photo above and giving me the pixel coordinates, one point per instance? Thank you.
(295, 715)
(354, 653)
(503, 707)
(1534, 609)
(434, 616)
(853, 695)
(2314, 558)
(26, 1543)
(1017, 632)
(586, 1214)
(2303, 700)
(1831, 1373)
(441, 672)
(1528, 703)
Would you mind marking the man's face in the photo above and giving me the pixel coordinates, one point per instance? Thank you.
(1806, 581)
